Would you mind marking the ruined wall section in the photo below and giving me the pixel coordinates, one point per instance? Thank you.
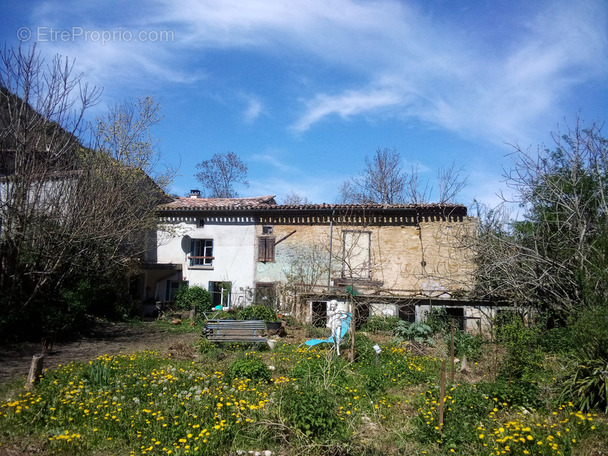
(426, 258)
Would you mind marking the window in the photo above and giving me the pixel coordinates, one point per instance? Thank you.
(407, 312)
(457, 314)
(201, 223)
(319, 313)
(267, 230)
(171, 290)
(266, 294)
(356, 255)
(201, 253)
(266, 248)
(220, 292)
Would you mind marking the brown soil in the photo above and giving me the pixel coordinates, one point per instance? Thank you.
(107, 338)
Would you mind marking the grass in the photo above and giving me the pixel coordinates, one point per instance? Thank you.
(145, 403)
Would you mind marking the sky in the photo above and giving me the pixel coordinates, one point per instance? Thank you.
(304, 90)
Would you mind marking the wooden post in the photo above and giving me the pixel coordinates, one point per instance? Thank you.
(35, 371)
(441, 397)
(452, 353)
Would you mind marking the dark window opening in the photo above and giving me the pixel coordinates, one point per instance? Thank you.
(457, 314)
(407, 312)
(362, 314)
(172, 287)
(319, 314)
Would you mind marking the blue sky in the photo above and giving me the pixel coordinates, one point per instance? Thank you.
(303, 90)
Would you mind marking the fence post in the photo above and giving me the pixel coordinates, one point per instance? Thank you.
(441, 397)
(35, 371)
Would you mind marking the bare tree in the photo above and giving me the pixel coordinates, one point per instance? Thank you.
(450, 182)
(382, 181)
(219, 174)
(69, 213)
(124, 133)
(42, 111)
(555, 257)
(415, 191)
(296, 199)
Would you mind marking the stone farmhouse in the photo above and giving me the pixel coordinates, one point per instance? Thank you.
(396, 260)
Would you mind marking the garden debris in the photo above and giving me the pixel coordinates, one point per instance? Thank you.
(180, 350)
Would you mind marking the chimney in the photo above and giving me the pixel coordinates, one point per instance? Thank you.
(195, 193)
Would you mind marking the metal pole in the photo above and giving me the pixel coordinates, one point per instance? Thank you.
(331, 237)
(452, 353)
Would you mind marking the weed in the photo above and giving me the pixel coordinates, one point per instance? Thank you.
(312, 412)
(249, 368)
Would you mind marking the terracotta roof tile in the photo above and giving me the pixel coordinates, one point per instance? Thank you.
(186, 202)
(268, 203)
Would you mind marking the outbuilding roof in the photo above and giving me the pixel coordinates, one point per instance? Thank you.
(268, 204)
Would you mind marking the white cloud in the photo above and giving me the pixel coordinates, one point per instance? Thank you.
(462, 86)
(346, 105)
(254, 109)
(394, 59)
(269, 157)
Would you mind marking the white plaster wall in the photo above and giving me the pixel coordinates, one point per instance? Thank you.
(383, 310)
(233, 249)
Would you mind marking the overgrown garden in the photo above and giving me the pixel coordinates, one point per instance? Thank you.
(235, 399)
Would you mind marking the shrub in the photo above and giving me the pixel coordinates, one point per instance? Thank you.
(465, 344)
(417, 332)
(558, 341)
(253, 369)
(258, 312)
(315, 332)
(313, 412)
(437, 318)
(590, 332)
(380, 323)
(290, 321)
(587, 386)
(513, 393)
(364, 347)
(522, 343)
(195, 296)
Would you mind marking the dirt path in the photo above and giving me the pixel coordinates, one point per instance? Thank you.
(108, 338)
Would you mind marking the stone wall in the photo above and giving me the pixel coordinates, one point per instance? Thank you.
(429, 258)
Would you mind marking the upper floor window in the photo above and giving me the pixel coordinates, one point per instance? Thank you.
(266, 248)
(356, 254)
(201, 253)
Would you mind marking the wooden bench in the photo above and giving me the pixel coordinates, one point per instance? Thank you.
(244, 331)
